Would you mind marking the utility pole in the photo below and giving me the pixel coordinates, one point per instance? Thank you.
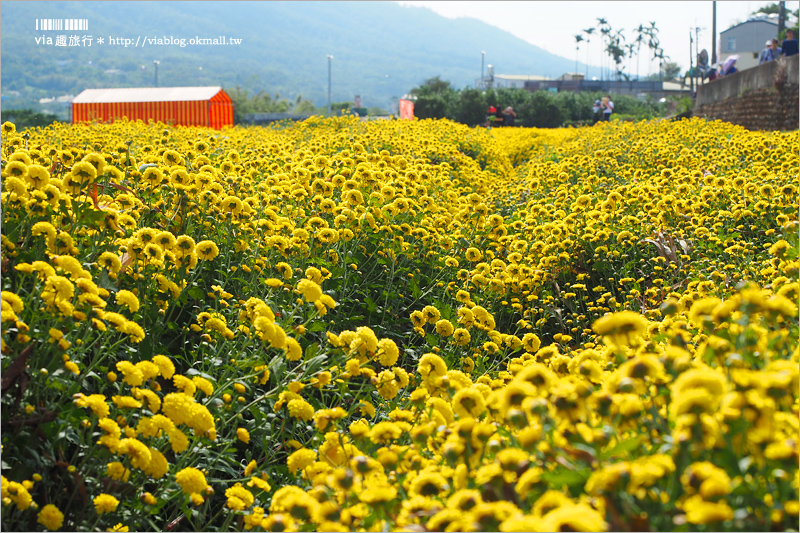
(781, 17)
(329, 84)
(697, 48)
(714, 34)
(691, 67)
(156, 63)
(483, 54)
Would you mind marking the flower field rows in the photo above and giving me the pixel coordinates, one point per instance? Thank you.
(399, 325)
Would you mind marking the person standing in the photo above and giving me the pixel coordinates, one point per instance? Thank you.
(508, 116)
(491, 115)
(770, 53)
(608, 107)
(789, 45)
(762, 57)
(596, 108)
(730, 69)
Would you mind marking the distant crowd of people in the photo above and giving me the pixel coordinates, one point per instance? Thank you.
(602, 109)
(495, 117)
(720, 71)
(772, 51)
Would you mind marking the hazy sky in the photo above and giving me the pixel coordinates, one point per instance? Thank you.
(552, 25)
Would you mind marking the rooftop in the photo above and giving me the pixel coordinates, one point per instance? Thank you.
(521, 77)
(146, 94)
(772, 18)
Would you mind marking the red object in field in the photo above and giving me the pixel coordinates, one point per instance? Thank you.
(178, 106)
(406, 109)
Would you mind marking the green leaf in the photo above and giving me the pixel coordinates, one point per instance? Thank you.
(277, 366)
(105, 282)
(314, 364)
(415, 290)
(564, 476)
(13, 235)
(195, 372)
(196, 293)
(88, 215)
(585, 448)
(311, 350)
(623, 447)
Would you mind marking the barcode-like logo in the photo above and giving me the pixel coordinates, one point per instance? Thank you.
(62, 24)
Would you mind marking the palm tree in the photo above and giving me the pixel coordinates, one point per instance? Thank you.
(629, 48)
(615, 50)
(588, 33)
(653, 43)
(640, 34)
(662, 58)
(605, 30)
(578, 39)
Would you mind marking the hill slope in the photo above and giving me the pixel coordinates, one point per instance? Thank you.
(380, 49)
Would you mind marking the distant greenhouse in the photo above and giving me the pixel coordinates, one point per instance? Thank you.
(179, 106)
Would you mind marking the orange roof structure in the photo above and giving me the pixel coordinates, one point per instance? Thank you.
(180, 106)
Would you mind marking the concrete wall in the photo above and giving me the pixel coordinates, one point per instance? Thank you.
(656, 89)
(761, 98)
(268, 118)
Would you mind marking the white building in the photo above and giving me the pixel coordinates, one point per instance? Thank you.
(506, 81)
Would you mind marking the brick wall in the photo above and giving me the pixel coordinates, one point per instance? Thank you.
(762, 98)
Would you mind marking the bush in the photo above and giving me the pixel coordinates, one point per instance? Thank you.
(28, 118)
(540, 109)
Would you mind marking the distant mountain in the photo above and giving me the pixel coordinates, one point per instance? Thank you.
(380, 49)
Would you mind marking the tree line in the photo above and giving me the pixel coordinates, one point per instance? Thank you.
(541, 109)
(261, 102)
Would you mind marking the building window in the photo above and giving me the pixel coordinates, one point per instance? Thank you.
(731, 44)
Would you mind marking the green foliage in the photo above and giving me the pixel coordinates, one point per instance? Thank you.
(471, 108)
(539, 109)
(431, 86)
(305, 108)
(435, 98)
(28, 118)
(262, 102)
(685, 105)
(671, 70)
(434, 105)
(767, 9)
(337, 108)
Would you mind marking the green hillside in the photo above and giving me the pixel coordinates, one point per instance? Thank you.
(381, 49)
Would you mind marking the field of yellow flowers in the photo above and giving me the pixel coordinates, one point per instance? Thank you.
(399, 325)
